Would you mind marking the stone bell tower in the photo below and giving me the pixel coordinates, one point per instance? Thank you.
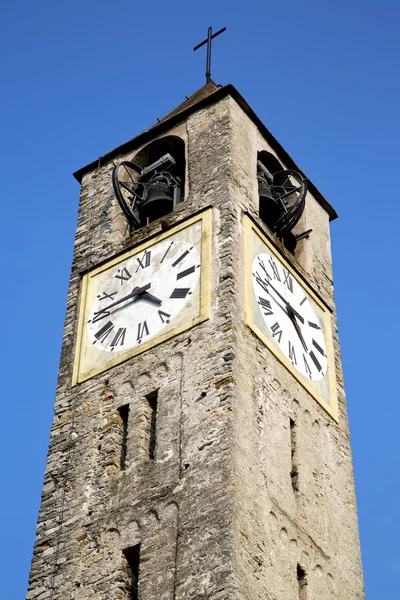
(200, 445)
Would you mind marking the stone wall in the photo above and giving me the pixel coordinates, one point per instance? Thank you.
(214, 511)
(276, 526)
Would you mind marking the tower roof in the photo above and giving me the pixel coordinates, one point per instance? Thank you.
(209, 88)
(208, 94)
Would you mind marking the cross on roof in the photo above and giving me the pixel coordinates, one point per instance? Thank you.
(207, 41)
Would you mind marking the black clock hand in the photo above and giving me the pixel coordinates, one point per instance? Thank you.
(289, 306)
(141, 294)
(148, 296)
(143, 289)
(295, 313)
(297, 328)
(135, 292)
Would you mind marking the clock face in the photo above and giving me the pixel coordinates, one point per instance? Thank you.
(289, 318)
(143, 297)
(140, 296)
(288, 313)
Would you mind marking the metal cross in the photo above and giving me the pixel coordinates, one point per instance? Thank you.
(208, 42)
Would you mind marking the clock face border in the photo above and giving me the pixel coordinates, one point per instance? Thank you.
(251, 229)
(205, 217)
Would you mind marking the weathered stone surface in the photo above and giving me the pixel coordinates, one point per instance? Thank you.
(215, 512)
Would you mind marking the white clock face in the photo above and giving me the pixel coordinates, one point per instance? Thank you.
(144, 297)
(140, 296)
(288, 313)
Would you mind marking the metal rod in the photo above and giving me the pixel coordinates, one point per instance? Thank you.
(207, 41)
(305, 234)
(208, 60)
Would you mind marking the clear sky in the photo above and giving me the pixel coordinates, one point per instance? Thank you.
(81, 77)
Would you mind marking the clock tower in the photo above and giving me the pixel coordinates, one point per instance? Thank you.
(200, 445)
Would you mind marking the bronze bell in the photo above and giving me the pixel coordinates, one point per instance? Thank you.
(270, 208)
(159, 201)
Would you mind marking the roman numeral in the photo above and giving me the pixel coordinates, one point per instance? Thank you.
(163, 314)
(144, 261)
(315, 360)
(166, 252)
(307, 368)
(180, 293)
(276, 331)
(261, 263)
(318, 347)
(99, 314)
(311, 324)
(182, 256)
(274, 269)
(123, 275)
(119, 338)
(105, 295)
(102, 334)
(261, 282)
(292, 354)
(186, 272)
(304, 299)
(266, 306)
(288, 281)
(141, 331)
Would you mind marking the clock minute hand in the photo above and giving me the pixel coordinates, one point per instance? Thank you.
(290, 307)
(148, 296)
(295, 313)
(135, 292)
(297, 328)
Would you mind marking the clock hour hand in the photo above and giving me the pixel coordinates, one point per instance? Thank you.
(295, 313)
(142, 290)
(297, 328)
(137, 291)
(290, 308)
(150, 297)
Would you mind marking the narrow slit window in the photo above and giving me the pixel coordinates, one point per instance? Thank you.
(132, 556)
(302, 582)
(124, 414)
(294, 471)
(152, 403)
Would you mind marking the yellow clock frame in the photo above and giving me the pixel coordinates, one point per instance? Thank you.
(251, 229)
(204, 309)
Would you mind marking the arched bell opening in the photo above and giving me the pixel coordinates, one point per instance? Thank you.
(269, 208)
(152, 184)
(282, 194)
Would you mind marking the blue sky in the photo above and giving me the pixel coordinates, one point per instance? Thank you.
(79, 78)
